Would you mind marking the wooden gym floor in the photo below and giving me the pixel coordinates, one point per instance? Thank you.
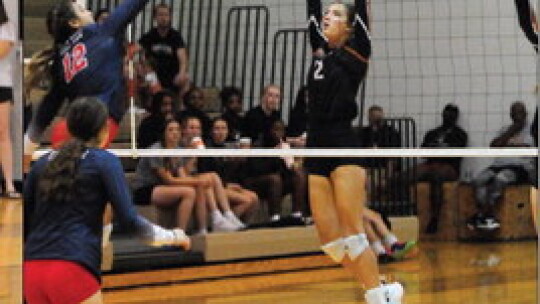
(443, 273)
(10, 251)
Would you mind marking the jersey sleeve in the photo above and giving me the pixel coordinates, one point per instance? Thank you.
(361, 40)
(316, 36)
(524, 13)
(122, 15)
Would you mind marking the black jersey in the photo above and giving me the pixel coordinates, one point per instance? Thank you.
(334, 79)
(525, 16)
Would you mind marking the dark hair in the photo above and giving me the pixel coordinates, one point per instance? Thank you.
(451, 107)
(165, 124)
(375, 108)
(85, 119)
(226, 94)
(157, 101)
(161, 5)
(58, 19)
(3, 14)
(100, 12)
(189, 96)
(215, 120)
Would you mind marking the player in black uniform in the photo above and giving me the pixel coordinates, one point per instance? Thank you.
(341, 49)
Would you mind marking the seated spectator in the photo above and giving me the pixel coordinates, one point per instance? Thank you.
(378, 232)
(166, 49)
(150, 129)
(492, 181)
(438, 170)
(216, 194)
(231, 100)
(294, 176)
(158, 182)
(379, 134)
(194, 104)
(258, 120)
(242, 200)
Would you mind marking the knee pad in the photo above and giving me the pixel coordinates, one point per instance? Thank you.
(335, 250)
(356, 244)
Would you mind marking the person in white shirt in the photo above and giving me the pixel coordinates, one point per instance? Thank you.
(7, 42)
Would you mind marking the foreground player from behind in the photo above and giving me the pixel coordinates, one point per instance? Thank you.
(341, 47)
(65, 197)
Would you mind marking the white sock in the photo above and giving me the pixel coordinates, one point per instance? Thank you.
(390, 239)
(297, 214)
(378, 247)
(274, 218)
(217, 216)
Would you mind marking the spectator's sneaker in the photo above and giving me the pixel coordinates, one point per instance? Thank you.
(488, 223)
(401, 250)
(170, 237)
(223, 225)
(385, 294)
(231, 217)
(474, 221)
(385, 258)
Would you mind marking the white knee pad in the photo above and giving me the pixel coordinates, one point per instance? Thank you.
(356, 244)
(335, 250)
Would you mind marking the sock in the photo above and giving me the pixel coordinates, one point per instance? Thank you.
(378, 247)
(390, 239)
(297, 214)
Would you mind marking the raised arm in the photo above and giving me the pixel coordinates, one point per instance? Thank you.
(316, 36)
(527, 21)
(361, 42)
(122, 15)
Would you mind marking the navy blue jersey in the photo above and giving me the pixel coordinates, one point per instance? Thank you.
(72, 230)
(90, 63)
(334, 78)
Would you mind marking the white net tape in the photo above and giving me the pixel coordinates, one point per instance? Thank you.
(464, 152)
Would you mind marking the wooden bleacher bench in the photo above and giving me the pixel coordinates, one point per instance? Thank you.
(513, 211)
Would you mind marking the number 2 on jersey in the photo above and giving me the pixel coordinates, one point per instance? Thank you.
(74, 61)
(318, 75)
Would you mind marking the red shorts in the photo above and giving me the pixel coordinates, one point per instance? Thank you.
(60, 133)
(57, 282)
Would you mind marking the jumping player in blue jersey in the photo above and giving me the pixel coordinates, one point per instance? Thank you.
(341, 50)
(87, 61)
(64, 198)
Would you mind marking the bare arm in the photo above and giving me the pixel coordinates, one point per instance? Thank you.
(5, 48)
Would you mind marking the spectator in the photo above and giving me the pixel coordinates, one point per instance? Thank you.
(231, 100)
(294, 177)
(158, 180)
(491, 182)
(258, 120)
(7, 58)
(167, 50)
(242, 200)
(162, 109)
(194, 104)
(379, 134)
(216, 195)
(436, 171)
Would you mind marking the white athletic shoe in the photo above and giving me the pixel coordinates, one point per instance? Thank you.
(221, 224)
(231, 217)
(167, 237)
(385, 294)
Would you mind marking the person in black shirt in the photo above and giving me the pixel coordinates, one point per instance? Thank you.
(341, 46)
(194, 104)
(166, 49)
(231, 101)
(436, 171)
(151, 128)
(258, 120)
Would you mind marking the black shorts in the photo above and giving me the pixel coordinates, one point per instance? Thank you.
(6, 94)
(143, 196)
(324, 166)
